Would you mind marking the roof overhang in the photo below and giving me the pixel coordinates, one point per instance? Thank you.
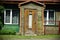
(32, 2)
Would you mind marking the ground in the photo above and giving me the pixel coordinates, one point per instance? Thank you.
(18, 37)
(32, 39)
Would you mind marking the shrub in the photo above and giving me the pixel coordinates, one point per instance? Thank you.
(7, 32)
(1, 12)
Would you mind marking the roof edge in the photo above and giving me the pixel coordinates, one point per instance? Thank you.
(32, 1)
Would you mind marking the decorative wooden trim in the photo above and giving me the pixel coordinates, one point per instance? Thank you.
(26, 11)
(51, 3)
(20, 29)
(7, 2)
(32, 1)
(43, 18)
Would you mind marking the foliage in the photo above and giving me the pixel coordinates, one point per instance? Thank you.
(1, 9)
(1, 14)
(7, 32)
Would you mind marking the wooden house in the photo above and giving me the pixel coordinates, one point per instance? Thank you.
(32, 17)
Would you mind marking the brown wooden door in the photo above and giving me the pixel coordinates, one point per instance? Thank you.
(26, 20)
(34, 20)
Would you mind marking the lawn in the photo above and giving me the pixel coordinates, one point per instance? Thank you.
(28, 37)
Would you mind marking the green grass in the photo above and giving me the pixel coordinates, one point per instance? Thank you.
(24, 37)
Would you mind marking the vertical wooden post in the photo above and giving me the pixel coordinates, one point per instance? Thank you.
(20, 21)
(26, 11)
(43, 19)
(59, 27)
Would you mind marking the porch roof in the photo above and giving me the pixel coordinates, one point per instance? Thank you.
(32, 2)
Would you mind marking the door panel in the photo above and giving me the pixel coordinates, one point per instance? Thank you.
(26, 20)
(34, 20)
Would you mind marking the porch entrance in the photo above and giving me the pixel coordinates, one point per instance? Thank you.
(30, 18)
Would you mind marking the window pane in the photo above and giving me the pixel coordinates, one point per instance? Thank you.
(51, 17)
(7, 16)
(15, 14)
(45, 17)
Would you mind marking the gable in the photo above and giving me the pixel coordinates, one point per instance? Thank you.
(31, 2)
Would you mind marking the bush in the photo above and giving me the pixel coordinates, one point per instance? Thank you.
(1, 12)
(7, 32)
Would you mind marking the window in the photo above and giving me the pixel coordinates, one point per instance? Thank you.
(49, 16)
(11, 16)
(15, 16)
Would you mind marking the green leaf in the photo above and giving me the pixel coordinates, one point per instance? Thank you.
(1, 9)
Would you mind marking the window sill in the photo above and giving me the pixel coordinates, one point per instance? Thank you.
(11, 24)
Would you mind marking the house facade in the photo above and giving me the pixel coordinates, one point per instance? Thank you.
(32, 17)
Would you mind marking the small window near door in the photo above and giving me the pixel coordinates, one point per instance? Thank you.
(49, 17)
(11, 16)
(30, 20)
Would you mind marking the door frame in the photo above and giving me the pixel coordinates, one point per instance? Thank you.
(42, 5)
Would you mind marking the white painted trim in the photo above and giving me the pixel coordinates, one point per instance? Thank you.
(5, 16)
(11, 17)
(47, 17)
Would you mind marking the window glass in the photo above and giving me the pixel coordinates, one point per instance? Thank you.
(15, 16)
(7, 16)
(45, 16)
(51, 17)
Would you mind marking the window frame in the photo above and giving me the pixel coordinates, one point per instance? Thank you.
(47, 23)
(10, 17)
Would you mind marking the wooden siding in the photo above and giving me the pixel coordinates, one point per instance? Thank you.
(53, 29)
(34, 0)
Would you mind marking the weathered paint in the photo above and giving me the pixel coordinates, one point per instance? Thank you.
(51, 29)
(12, 27)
